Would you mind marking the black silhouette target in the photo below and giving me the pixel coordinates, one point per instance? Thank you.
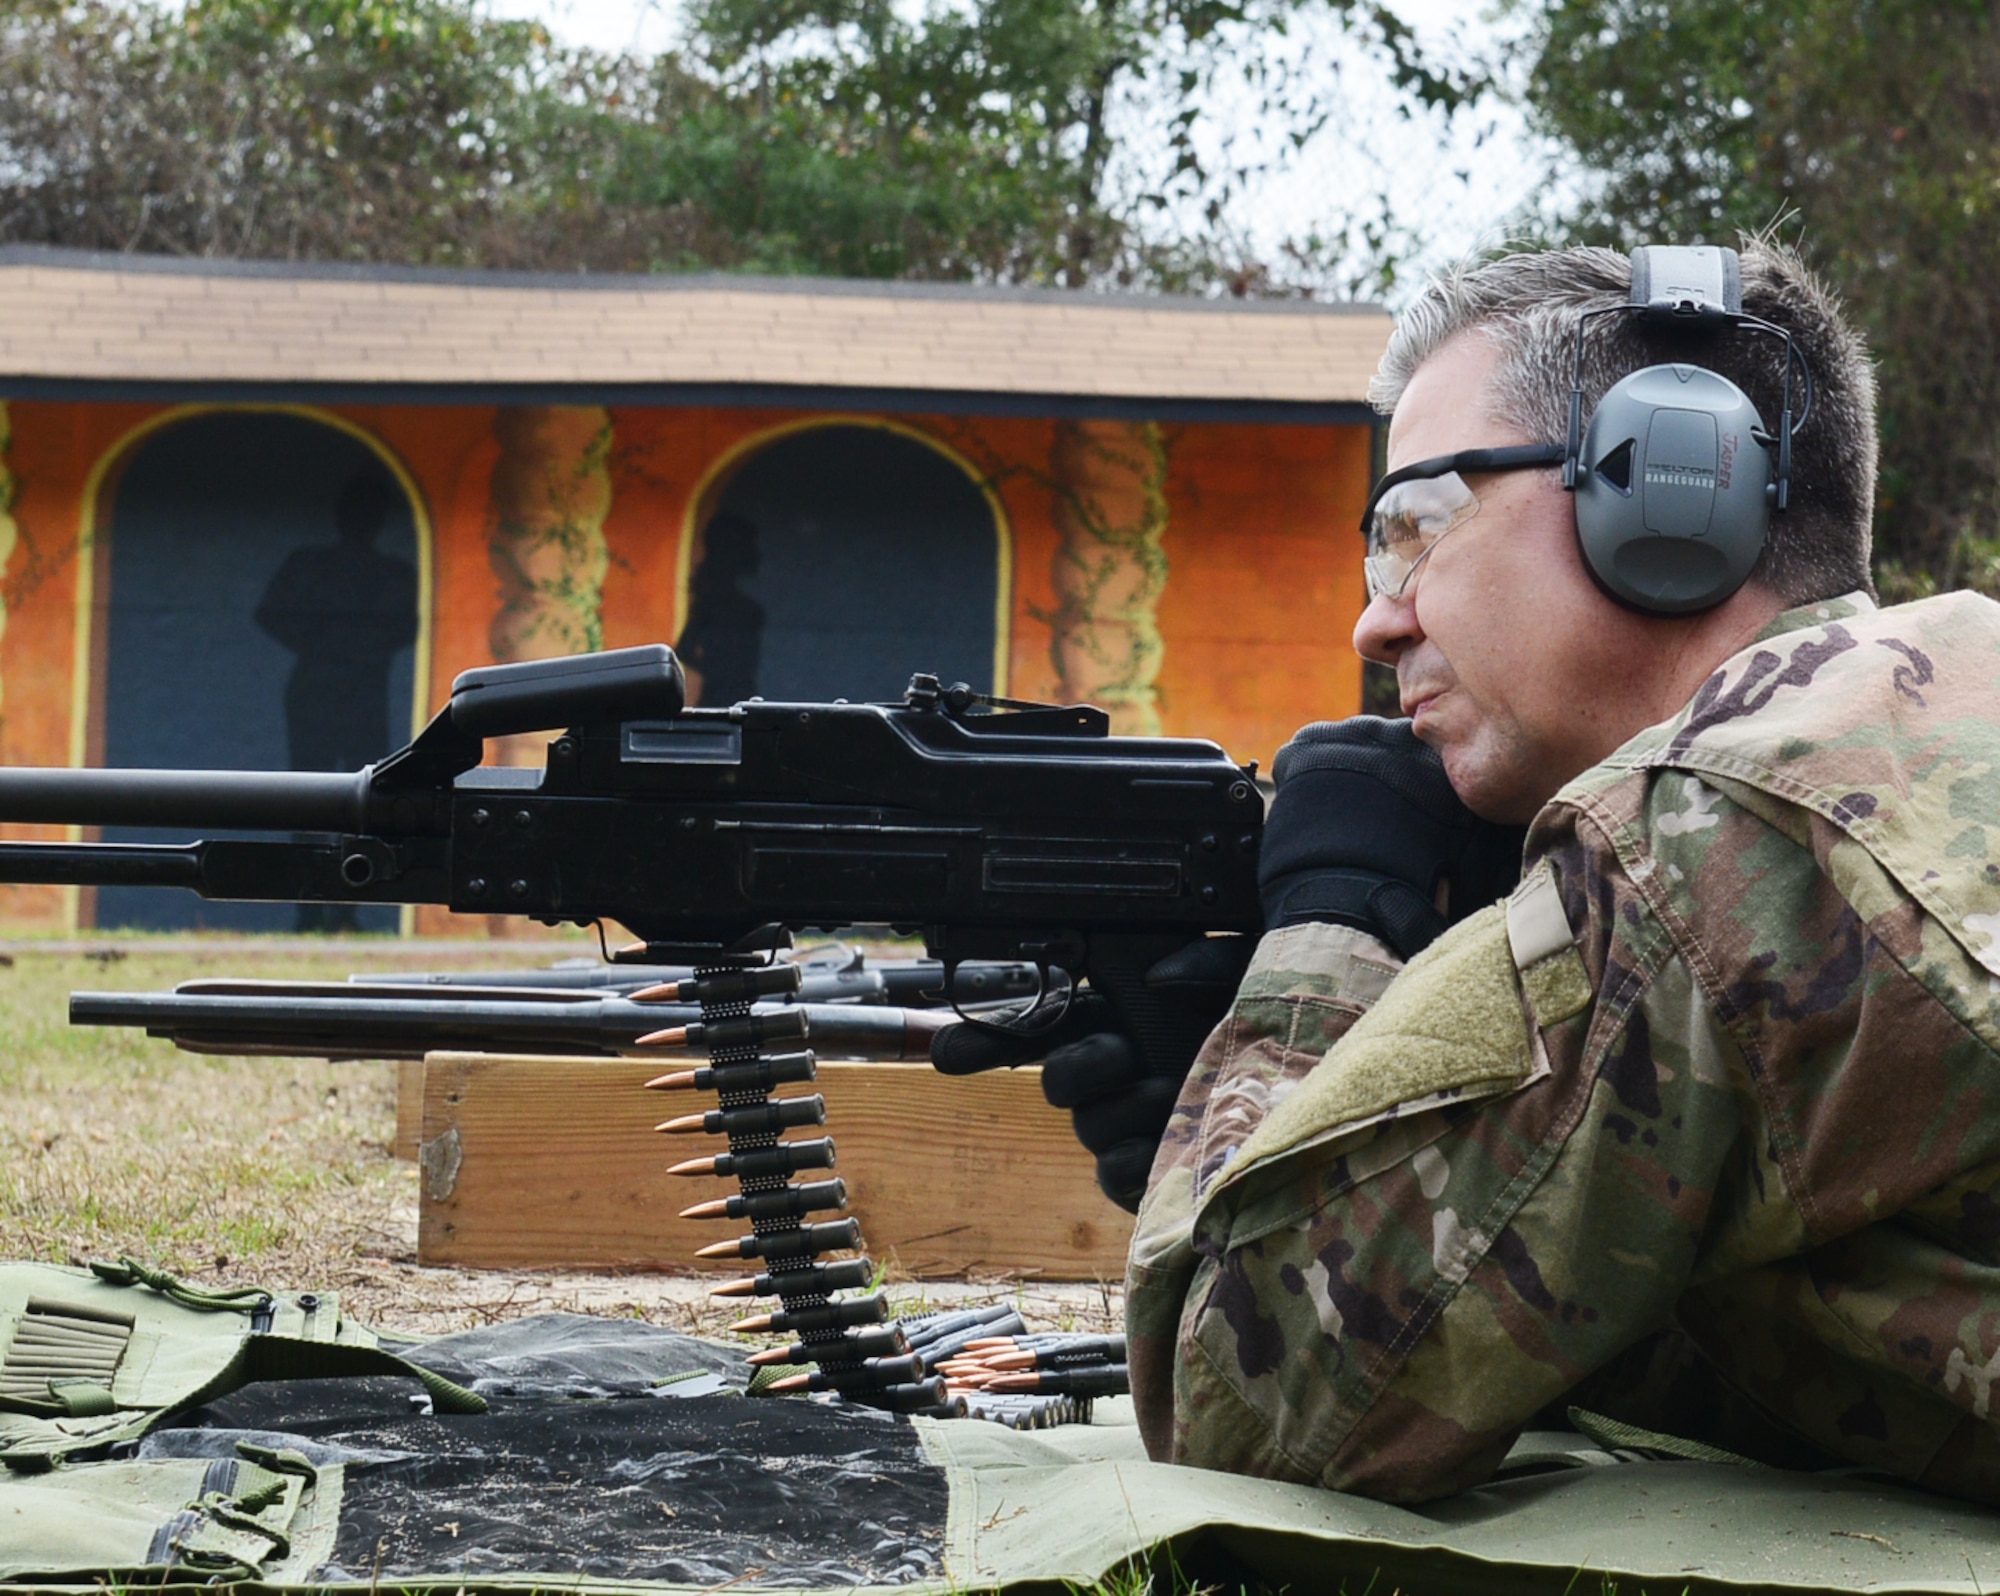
(837, 561)
(261, 615)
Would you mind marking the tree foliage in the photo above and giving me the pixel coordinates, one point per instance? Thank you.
(847, 138)
(367, 130)
(856, 137)
(852, 136)
(1870, 131)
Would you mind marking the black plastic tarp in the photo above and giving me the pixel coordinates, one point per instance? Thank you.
(614, 1449)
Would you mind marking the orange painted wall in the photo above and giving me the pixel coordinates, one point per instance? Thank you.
(1263, 589)
(1264, 580)
(1264, 550)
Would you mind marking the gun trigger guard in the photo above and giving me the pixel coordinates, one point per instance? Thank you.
(946, 985)
(1018, 1025)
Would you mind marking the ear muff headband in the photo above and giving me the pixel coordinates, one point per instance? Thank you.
(1673, 503)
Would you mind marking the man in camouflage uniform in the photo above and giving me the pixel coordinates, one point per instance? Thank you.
(1723, 1066)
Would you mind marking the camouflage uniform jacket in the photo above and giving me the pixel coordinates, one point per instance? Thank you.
(1729, 1057)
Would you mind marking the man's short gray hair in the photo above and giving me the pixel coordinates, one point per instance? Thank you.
(1527, 306)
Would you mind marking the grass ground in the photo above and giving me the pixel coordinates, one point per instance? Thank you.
(114, 1142)
(279, 1172)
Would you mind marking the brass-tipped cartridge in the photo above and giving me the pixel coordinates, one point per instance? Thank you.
(758, 1075)
(838, 1315)
(833, 1235)
(751, 1030)
(849, 1273)
(759, 1119)
(881, 1341)
(756, 1163)
(785, 1202)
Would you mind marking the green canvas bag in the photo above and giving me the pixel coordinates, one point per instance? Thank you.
(267, 1515)
(98, 1355)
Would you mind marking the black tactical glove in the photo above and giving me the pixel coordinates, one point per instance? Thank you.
(1118, 1105)
(1365, 827)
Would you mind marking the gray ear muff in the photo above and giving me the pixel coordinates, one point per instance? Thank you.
(1671, 502)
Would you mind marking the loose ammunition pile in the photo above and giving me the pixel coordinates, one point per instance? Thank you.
(978, 1363)
(993, 1369)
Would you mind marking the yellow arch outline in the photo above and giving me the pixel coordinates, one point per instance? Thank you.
(114, 459)
(1003, 600)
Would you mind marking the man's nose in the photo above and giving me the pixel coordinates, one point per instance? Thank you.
(1387, 627)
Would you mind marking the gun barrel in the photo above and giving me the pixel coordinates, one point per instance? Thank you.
(401, 1027)
(819, 985)
(408, 1027)
(237, 800)
(903, 983)
(588, 978)
(379, 991)
(99, 864)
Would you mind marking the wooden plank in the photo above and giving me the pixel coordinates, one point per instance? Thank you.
(409, 1109)
(539, 1163)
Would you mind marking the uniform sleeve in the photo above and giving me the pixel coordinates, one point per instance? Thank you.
(1305, 987)
(1507, 1182)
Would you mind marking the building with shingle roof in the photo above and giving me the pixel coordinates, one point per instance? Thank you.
(261, 514)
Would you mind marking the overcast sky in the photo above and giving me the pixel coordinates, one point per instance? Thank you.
(1453, 187)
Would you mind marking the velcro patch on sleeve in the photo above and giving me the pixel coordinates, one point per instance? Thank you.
(1450, 1026)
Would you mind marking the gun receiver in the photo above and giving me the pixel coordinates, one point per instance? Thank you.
(1028, 834)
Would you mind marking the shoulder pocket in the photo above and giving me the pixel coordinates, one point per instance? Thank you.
(1544, 949)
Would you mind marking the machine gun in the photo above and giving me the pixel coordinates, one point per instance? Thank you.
(1024, 833)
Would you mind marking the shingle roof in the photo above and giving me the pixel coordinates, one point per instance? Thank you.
(73, 318)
